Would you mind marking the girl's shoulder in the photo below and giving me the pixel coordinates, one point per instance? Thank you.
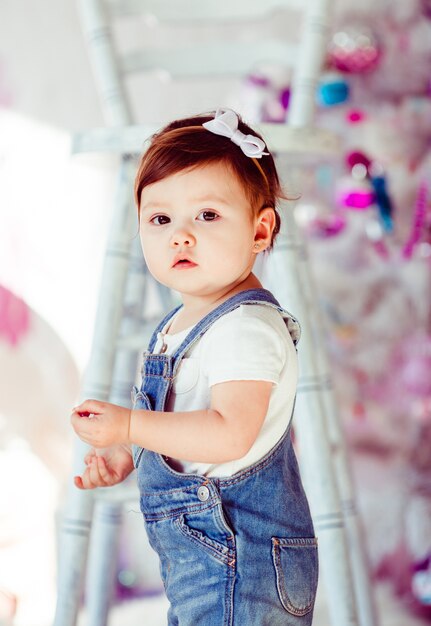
(263, 311)
(251, 342)
(249, 320)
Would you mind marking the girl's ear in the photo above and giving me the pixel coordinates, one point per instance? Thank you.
(265, 224)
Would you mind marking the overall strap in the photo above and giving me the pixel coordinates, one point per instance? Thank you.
(249, 296)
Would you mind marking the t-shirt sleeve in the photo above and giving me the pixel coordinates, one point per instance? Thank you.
(243, 347)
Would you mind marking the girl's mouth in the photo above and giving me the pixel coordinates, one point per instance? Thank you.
(184, 264)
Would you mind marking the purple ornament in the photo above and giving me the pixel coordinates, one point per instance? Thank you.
(285, 98)
(354, 193)
(426, 7)
(324, 228)
(319, 220)
(257, 80)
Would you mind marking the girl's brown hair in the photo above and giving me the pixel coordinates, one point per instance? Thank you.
(185, 144)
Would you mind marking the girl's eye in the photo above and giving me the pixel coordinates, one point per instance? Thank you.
(159, 220)
(207, 216)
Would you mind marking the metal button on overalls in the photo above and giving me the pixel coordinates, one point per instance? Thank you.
(203, 493)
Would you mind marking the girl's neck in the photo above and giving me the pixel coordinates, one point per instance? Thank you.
(195, 308)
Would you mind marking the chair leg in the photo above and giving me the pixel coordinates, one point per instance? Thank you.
(107, 515)
(76, 525)
(72, 549)
(322, 489)
(367, 610)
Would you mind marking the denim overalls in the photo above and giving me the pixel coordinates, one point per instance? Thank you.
(234, 551)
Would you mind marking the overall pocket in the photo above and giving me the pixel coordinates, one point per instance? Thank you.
(224, 553)
(297, 568)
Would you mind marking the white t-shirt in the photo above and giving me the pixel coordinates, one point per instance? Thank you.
(251, 342)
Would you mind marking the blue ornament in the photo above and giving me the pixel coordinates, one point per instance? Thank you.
(333, 89)
(383, 202)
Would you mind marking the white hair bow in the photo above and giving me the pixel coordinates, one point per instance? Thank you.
(225, 123)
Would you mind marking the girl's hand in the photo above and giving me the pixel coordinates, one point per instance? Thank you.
(107, 470)
(101, 424)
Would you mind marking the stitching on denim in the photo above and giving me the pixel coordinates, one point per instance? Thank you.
(152, 375)
(169, 378)
(217, 555)
(219, 513)
(221, 553)
(200, 536)
(281, 581)
(149, 517)
(178, 490)
(229, 592)
(297, 542)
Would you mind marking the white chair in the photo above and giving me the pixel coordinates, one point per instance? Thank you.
(121, 329)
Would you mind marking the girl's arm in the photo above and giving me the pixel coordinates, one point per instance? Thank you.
(224, 432)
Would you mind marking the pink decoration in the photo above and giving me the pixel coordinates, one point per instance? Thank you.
(257, 80)
(416, 373)
(412, 359)
(274, 109)
(355, 116)
(397, 567)
(359, 199)
(326, 227)
(419, 221)
(14, 317)
(426, 7)
(353, 158)
(421, 585)
(355, 49)
(381, 248)
(422, 410)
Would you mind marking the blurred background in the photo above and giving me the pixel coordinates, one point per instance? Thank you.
(365, 215)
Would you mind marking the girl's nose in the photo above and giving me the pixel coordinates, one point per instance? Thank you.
(182, 238)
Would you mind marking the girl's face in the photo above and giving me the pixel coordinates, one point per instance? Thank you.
(198, 231)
